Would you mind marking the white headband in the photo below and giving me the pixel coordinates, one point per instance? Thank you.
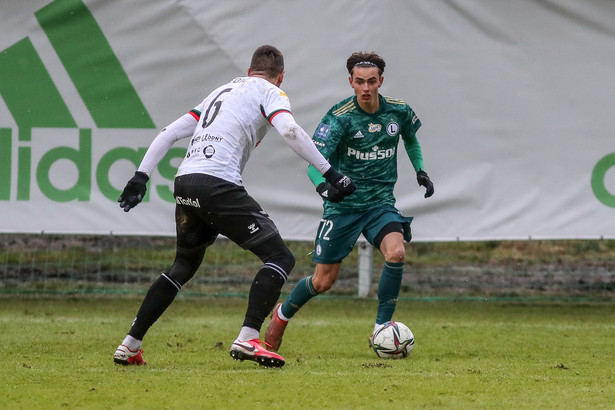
(368, 63)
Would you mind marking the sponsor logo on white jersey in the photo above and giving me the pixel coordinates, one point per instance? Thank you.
(209, 151)
(206, 137)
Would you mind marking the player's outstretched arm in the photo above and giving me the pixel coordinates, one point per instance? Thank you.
(135, 189)
(302, 144)
(299, 141)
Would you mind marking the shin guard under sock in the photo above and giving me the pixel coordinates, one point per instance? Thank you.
(301, 294)
(264, 293)
(158, 298)
(388, 290)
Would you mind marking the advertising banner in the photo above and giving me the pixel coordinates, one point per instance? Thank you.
(515, 99)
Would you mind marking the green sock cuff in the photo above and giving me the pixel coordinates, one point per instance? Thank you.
(394, 265)
(301, 294)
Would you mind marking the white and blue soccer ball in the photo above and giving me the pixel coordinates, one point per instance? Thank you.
(392, 340)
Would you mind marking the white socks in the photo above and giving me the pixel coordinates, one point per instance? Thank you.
(247, 333)
(132, 343)
(281, 315)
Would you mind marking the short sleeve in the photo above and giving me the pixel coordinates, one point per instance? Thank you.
(275, 101)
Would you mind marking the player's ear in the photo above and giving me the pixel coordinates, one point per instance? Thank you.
(249, 72)
(381, 80)
(350, 80)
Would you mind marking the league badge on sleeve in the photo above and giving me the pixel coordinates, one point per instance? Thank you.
(322, 132)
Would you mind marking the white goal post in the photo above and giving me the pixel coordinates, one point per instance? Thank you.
(366, 268)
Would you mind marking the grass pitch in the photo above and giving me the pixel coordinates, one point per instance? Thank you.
(57, 353)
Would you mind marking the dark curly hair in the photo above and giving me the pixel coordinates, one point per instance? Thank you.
(364, 59)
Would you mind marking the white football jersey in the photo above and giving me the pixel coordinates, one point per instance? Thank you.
(232, 121)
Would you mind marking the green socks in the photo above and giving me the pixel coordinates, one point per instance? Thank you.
(388, 290)
(301, 294)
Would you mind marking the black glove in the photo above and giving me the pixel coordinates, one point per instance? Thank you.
(340, 182)
(134, 191)
(423, 179)
(329, 192)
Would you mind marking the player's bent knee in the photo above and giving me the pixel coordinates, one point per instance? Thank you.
(286, 260)
(322, 284)
(187, 262)
(274, 251)
(396, 255)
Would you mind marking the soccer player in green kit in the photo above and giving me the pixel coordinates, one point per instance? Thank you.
(360, 137)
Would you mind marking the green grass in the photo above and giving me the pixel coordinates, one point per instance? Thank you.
(57, 353)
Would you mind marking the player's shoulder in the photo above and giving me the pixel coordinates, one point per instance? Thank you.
(395, 103)
(399, 106)
(343, 107)
(268, 88)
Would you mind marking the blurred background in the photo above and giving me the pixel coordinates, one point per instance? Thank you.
(514, 98)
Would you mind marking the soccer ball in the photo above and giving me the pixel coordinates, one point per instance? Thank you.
(392, 340)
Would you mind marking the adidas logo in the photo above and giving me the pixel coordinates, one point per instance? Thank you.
(39, 130)
(359, 134)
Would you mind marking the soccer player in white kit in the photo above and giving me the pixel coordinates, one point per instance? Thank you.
(211, 200)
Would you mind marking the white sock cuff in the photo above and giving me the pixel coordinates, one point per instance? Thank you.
(132, 343)
(281, 315)
(247, 333)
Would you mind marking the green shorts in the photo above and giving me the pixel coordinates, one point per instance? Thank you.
(337, 234)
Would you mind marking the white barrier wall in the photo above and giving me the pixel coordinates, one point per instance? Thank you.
(515, 100)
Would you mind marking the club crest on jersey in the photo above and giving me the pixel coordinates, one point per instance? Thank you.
(374, 127)
(322, 131)
(392, 129)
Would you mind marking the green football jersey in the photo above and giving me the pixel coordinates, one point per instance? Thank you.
(364, 147)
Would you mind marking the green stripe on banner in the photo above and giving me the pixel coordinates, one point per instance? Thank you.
(92, 66)
(6, 150)
(29, 92)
